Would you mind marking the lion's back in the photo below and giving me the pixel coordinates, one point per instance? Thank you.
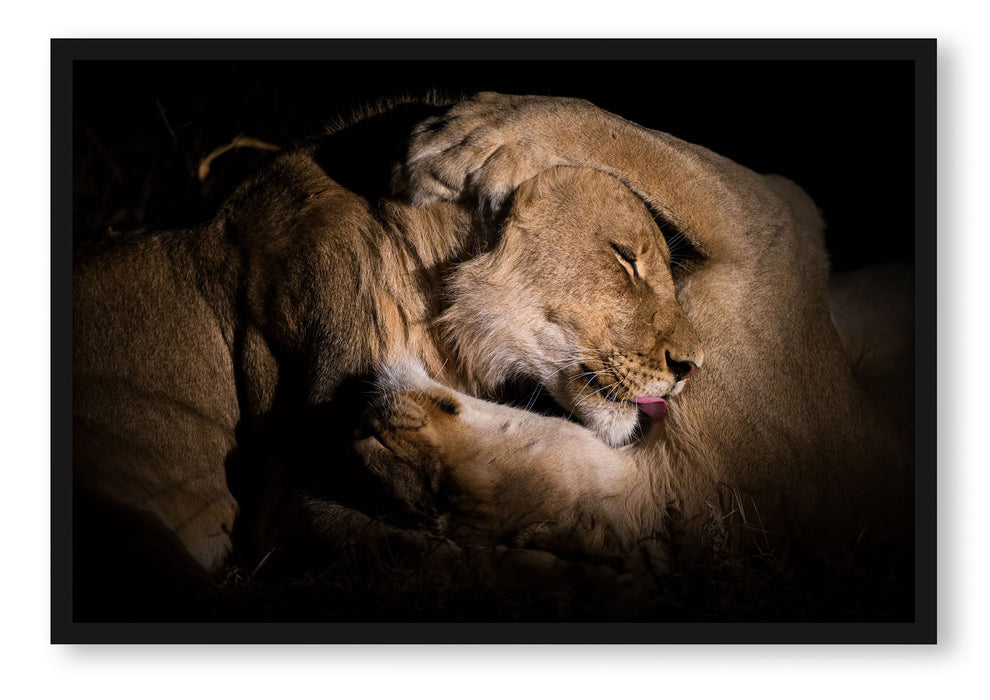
(154, 397)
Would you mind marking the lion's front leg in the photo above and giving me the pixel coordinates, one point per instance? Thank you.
(492, 472)
(485, 147)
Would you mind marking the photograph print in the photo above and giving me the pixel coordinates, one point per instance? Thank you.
(536, 333)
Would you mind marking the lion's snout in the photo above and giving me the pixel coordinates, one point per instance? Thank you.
(681, 369)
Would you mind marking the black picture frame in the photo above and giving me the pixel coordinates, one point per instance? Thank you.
(525, 66)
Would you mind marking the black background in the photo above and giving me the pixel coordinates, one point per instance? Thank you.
(842, 129)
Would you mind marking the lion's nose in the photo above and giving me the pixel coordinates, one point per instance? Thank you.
(682, 369)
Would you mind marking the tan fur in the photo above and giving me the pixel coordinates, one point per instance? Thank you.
(186, 343)
(555, 302)
(775, 440)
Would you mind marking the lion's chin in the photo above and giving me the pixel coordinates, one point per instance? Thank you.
(615, 423)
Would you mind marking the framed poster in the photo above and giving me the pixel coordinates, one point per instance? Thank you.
(248, 235)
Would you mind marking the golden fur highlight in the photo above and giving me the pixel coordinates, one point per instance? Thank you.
(776, 440)
(199, 352)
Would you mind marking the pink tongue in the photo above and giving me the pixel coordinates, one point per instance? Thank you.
(653, 406)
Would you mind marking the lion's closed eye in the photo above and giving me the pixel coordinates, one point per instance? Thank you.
(627, 258)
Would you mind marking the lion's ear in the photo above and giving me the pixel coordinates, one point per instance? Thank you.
(807, 213)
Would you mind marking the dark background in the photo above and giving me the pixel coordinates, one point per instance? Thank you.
(842, 129)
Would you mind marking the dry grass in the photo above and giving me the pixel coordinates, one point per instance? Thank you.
(425, 578)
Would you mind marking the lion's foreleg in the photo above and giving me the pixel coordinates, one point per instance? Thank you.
(488, 145)
(496, 472)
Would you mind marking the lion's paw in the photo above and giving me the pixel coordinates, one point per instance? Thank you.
(482, 148)
(401, 437)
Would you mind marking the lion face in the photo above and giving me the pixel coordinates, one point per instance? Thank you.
(578, 296)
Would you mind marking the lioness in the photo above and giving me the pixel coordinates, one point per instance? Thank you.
(775, 440)
(210, 363)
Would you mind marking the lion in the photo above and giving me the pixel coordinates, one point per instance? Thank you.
(210, 364)
(777, 438)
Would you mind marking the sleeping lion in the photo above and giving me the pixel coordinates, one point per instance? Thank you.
(776, 437)
(216, 369)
